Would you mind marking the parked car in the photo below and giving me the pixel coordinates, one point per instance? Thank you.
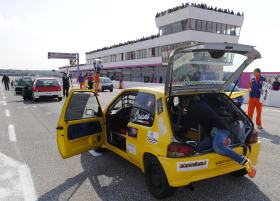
(20, 83)
(43, 87)
(106, 84)
(237, 94)
(139, 124)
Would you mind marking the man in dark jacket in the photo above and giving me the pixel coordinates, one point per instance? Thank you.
(217, 134)
(6, 81)
(65, 84)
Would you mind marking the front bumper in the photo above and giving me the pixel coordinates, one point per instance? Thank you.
(183, 171)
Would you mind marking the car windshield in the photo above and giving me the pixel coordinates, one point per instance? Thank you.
(203, 68)
(47, 83)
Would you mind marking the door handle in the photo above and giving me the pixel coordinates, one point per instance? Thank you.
(59, 128)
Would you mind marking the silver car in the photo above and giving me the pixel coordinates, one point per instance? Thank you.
(106, 84)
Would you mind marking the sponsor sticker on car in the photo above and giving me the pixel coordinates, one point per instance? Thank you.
(152, 137)
(192, 165)
(131, 148)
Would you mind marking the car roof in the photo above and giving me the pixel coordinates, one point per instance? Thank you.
(45, 78)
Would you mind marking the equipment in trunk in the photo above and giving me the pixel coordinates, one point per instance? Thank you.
(232, 117)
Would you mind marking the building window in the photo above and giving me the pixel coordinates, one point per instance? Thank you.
(219, 28)
(192, 24)
(224, 29)
(203, 26)
(214, 27)
(176, 27)
(198, 25)
(209, 26)
(184, 25)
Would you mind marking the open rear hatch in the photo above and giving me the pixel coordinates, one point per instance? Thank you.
(208, 67)
(204, 71)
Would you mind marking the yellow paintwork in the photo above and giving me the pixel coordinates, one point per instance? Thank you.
(159, 150)
(237, 94)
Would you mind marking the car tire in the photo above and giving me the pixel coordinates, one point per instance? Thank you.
(156, 179)
(59, 98)
(111, 90)
(239, 173)
(35, 99)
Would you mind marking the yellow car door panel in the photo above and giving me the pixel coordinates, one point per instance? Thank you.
(80, 127)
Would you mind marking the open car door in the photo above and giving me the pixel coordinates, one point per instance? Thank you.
(80, 126)
(207, 67)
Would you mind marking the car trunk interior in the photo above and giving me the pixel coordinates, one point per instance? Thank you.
(234, 119)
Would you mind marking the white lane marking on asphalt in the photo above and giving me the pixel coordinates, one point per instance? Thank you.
(12, 133)
(4, 103)
(27, 183)
(94, 153)
(4, 97)
(7, 113)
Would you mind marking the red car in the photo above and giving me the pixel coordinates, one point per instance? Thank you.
(46, 87)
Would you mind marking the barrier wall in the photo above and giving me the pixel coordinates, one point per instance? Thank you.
(273, 99)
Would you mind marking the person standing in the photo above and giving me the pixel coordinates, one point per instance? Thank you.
(6, 81)
(254, 97)
(97, 82)
(81, 80)
(90, 81)
(276, 84)
(65, 84)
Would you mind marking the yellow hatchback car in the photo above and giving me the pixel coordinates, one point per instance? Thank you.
(141, 124)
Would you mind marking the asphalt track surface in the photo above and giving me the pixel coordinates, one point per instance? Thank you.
(28, 138)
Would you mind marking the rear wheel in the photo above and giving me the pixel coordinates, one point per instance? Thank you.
(239, 173)
(156, 180)
(59, 98)
(111, 90)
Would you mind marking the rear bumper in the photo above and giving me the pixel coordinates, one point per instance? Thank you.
(183, 171)
(108, 87)
(48, 94)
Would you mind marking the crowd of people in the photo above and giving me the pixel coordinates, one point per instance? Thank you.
(125, 43)
(201, 5)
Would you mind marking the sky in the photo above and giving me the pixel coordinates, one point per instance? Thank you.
(31, 28)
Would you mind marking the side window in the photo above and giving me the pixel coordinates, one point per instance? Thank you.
(125, 101)
(143, 110)
(82, 105)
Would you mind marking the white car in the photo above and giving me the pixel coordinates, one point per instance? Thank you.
(106, 84)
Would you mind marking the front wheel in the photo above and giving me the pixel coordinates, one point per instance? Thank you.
(156, 179)
(59, 98)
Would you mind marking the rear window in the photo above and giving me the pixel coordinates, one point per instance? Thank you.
(143, 110)
(24, 82)
(106, 80)
(47, 83)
